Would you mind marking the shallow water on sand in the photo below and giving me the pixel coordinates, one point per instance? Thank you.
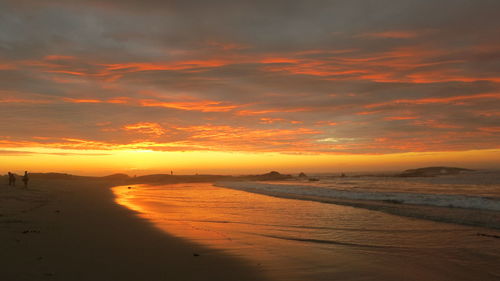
(304, 240)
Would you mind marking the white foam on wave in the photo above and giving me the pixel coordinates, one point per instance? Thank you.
(440, 200)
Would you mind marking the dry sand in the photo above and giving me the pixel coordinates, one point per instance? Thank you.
(73, 230)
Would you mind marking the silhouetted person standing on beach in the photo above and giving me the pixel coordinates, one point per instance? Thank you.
(12, 179)
(26, 179)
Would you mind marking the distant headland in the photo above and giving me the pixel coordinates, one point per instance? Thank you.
(271, 176)
(433, 172)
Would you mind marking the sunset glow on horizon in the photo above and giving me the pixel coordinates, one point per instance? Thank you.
(234, 87)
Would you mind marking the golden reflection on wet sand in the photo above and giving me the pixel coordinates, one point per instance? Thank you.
(299, 240)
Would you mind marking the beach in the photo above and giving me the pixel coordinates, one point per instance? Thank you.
(73, 230)
(101, 229)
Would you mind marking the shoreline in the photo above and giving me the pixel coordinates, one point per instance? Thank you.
(468, 217)
(307, 240)
(74, 230)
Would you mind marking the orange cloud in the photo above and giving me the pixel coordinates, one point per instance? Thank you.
(368, 112)
(490, 129)
(329, 123)
(267, 120)
(76, 73)
(278, 60)
(74, 66)
(447, 75)
(276, 110)
(119, 100)
(83, 100)
(397, 65)
(148, 128)
(436, 100)
(435, 124)
(379, 67)
(230, 138)
(197, 137)
(189, 104)
(203, 105)
(392, 118)
(488, 114)
(180, 65)
(7, 66)
(10, 99)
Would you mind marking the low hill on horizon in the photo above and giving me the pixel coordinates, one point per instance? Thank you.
(271, 176)
(433, 171)
(159, 178)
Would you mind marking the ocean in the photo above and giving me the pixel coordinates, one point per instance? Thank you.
(286, 229)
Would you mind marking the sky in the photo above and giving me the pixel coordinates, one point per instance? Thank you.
(95, 87)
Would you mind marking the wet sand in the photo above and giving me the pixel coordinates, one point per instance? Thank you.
(73, 230)
(298, 240)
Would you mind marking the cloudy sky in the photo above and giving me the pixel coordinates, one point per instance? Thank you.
(312, 78)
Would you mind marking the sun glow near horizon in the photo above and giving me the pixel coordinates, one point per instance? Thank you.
(143, 161)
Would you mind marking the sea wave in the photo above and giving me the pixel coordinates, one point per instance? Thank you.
(438, 200)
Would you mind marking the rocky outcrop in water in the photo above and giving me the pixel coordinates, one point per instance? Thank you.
(271, 176)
